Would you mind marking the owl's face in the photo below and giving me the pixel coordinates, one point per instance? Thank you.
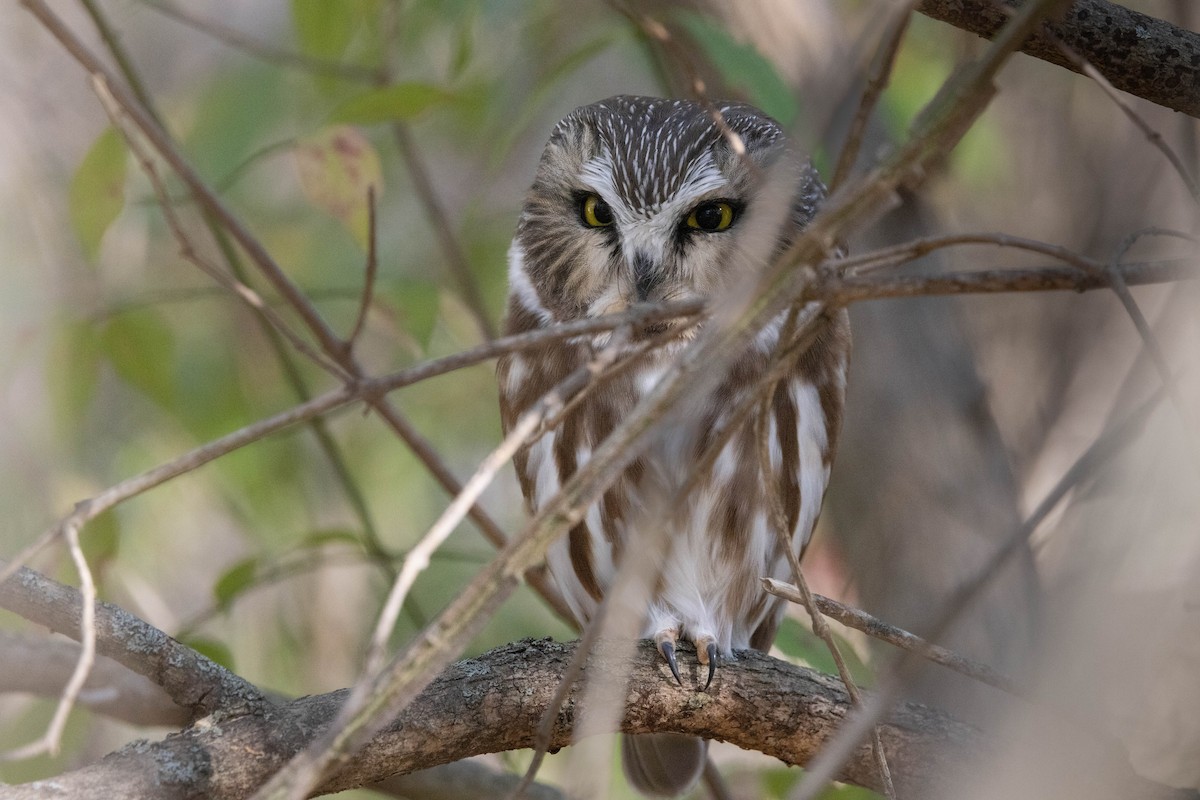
(641, 199)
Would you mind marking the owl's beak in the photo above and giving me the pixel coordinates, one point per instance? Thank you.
(647, 275)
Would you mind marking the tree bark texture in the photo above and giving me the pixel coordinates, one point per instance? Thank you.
(1139, 54)
(493, 703)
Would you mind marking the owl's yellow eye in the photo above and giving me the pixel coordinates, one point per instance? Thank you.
(711, 217)
(595, 212)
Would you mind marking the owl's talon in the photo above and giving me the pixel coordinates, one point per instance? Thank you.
(668, 650)
(706, 654)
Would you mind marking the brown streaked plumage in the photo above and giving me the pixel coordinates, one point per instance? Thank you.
(647, 200)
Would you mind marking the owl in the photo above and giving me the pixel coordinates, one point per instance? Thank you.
(647, 200)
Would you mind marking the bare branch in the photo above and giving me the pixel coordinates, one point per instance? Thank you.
(853, 289)
(51, 740)
(873, 626)
(492, 703)
(1139, 54)
(193, 681)
(372, 270)
(452, 251)
(42, 665)
(881, 70)
(264, 50)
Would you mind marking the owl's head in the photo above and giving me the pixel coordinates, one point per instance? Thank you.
(641, 199)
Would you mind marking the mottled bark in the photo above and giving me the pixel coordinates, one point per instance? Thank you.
(492, 703)
(1139, 54)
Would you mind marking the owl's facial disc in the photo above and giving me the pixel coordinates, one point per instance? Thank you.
(653, 238)
(640, 200)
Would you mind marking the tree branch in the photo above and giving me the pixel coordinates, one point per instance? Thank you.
(193, 681)
(42, 665)
(492, 703)
(1139, 54)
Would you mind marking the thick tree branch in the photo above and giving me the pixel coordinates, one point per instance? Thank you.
(1139, 54)
(493, 703)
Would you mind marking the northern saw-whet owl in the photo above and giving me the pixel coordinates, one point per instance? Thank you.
(640, 200)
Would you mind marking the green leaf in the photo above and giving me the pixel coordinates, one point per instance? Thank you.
(101, 539)
(332, 536)
(778, 781)
(73, 371)
(464, 46)
(400, 101)
(215, 650)
(743, 68)
(141, 348)
(800, 644)
(543, 90)
(419, 302)
(97, 192)
(323, 28)
(338, 166)
(234, 581)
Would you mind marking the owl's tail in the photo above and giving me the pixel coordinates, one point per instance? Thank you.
(663, 764)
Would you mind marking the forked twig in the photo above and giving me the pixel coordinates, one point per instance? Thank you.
(51, 740)
(880, 72)
(878, 629)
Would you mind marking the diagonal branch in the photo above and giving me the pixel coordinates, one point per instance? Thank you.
(193, 681)
(1139, 54)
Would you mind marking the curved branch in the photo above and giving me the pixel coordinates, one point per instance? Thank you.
(42, 665)
(1139, 54)
(193, 681)
(493, 703)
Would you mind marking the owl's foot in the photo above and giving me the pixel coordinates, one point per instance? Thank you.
(666, 645)
(706, 653)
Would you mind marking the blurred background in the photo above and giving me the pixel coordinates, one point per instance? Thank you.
(116, 354)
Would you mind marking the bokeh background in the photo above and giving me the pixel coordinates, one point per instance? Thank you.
(116, 354)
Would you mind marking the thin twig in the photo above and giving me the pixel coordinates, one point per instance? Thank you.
(452, 251)
(1154, 137)
(372, 268)
(264, 50)
(824, 767)
(854, 289)
(1149, 341)
(51, 740)
(885, 632)
(777, 519)
(187, 251)
(272, 325)
(418, 557)
(166, 149)
(880, 72)
(717, 788)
